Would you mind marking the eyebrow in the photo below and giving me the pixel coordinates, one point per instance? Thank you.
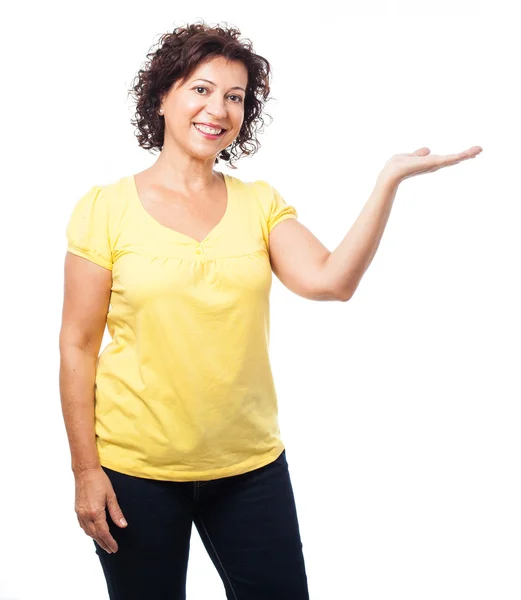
(236, 87)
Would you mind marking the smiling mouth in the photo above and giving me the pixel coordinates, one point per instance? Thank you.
(223, 131)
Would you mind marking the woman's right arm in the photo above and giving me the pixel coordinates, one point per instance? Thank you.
(85, 306)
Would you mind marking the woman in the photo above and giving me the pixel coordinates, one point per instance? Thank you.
(176, 421)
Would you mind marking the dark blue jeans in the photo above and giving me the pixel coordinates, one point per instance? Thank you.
(248, 524)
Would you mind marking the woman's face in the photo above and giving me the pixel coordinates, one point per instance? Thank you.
(213, 94)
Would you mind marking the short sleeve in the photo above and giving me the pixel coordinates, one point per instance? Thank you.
(88, 229)
(279, 210)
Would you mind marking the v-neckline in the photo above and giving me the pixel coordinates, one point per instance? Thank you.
(174, 232)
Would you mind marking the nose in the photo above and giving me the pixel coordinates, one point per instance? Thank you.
(216, 109)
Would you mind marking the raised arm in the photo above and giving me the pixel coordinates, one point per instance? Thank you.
(308, 268)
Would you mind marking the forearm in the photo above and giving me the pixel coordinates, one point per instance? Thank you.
(77, 379)
(345, 266)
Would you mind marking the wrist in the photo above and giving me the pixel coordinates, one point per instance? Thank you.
(79, 469)
(388, 178)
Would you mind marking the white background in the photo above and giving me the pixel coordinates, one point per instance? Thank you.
(400, 408)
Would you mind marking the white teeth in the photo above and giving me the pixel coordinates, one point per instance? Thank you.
(207, 129)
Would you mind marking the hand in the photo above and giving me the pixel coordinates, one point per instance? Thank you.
(402, 166)
(94, 491)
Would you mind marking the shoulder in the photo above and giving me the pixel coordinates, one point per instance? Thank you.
(270, 202)
(258, 191)
(109, 200)
(115, 192)
(102, 193)
(99, 206)
(248, 186)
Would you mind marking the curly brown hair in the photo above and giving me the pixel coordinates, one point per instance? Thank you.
(177, 56)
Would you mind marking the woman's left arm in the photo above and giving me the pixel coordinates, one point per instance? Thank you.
(308, 268)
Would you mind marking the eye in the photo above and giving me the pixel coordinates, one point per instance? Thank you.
(200, 87)
(239, 98)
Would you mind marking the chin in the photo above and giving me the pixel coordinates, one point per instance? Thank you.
(205, 155)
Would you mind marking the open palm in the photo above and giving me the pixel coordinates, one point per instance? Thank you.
(402, 166)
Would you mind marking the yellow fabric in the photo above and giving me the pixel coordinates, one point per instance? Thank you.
(184, 390)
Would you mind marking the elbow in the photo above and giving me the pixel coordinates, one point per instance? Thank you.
(323, 289)
(335, 289)
(344, 295)
(329, 294)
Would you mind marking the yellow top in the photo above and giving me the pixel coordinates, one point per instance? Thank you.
(184, 390)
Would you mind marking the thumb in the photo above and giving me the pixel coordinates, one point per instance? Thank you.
(422, 152)
(115, 511)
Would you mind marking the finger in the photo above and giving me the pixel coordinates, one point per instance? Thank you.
(85, 527)
(102, 544)
(106, 541)
(453, 159)
(446, 160)
(474, 150)
(116, 514)
(466, 154)
(103, 534)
